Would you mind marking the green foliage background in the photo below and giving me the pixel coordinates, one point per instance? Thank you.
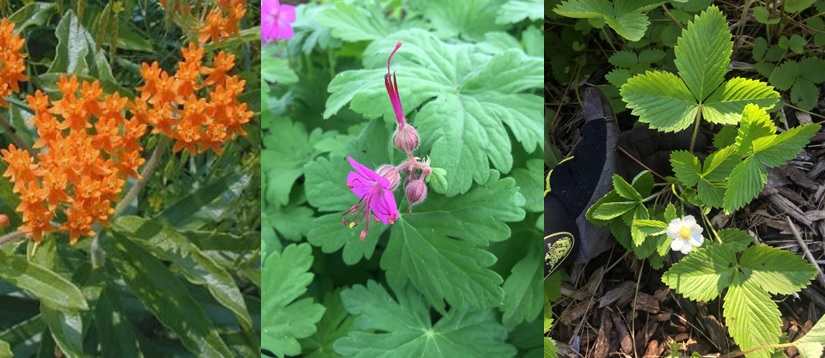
(457, 277)
(179, 273)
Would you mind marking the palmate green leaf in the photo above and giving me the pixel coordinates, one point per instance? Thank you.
(352, 23)
(776, 271)
(468, 97)
(517, 10)
(530, 184)
(703, 53)
(704, 274)
(439, 248)
(468, 20)
(160, 290)
(330, 234)
(336, 323)
(402, 326)
(752, 318)
(197, 267)
(626, 17)
(286, 279)
(292, 222)
(43, 283)
(660, 99)
(523, 296)
(274, 69)
(811, 344)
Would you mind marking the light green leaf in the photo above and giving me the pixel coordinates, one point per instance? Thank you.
(468, 20)
(5, 349)
(328, 233)
(43, 283)
(761, 14)
(523, 296)
(686, 167)
(624, 189)
(274, 69)
(704, 273)
(390, 327)
(660, 99)
(530, 184)
(72, 47)
(746, 182)
(756, 123)
(292, 222)
(352, 23)
(517, 10)
(608, 211)
(725, 106)
(439, 248)
(33, 14)
(626, 17)
(777, 150)
(752, 318)
(550, 350)
(650, 227)
(197, 267)
(776, 271)
(737, 239)
(643, 183)
(287, 317)
(169, 300)
(811, 344)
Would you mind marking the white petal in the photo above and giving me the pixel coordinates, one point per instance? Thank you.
(686, 249)
(689, 220)
(697, 240)
(672, 231)
(677, 244)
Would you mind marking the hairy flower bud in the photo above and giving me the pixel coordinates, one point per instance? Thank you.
(416, 191)
(405, 138)
(390, 173)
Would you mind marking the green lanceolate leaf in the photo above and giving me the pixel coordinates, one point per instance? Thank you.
(66, 327)
(704, 274)
(44, 284)
(811, 345)
(287, 317)
(402, 326)
(776, 271)
(752, 318)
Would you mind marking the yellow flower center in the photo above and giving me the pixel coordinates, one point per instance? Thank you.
(684, 233)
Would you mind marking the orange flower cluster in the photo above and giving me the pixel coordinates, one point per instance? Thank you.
(222, 21)
(171, 103)
(84, 163)
(11, 61)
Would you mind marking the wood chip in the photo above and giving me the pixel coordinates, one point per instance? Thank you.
(647, 303)
(622, 293)
(783, 205)
(715, 330)
(654, 349)
(623, 335)
(602, 346)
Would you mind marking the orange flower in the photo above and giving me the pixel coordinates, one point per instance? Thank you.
(201, 114)
(222, 21)
(12, 65)
(89, 149)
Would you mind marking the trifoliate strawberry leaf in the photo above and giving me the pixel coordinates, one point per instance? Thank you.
(784, 76)
(703, 53)
(650, 227)
(776, 150)
(550, 350)
(403, 327)
(626, 17)
(805, 94)
(752, 318)
(336, 323)
(660, 99)
(704, 273)
(517, 10)
(813, 69)
(466, 99)
(608, 211)
(670, 103)
(523, 296)
(736, 239)
(287, 320)
(624, 59)
(775, 270)
(811, 345)
(643, 183)
(439, 248)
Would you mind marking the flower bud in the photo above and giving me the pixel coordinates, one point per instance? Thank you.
(405, 138)
(416, 191)
(390, 173)
(4, 221)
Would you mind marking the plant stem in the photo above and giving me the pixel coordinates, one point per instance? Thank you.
(12, 237)
(144, 176)
(758, 348)
(696, 121)
(14, 137)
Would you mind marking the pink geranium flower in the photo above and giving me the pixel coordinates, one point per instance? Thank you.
(377, 200)
(276, 20)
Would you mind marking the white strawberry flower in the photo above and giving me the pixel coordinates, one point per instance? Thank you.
(686, 234)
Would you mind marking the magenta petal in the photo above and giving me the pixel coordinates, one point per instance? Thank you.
(285, 31)
(287, 13)
(384, 207)
(369, 173)
(270, 6)
(360, 185)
